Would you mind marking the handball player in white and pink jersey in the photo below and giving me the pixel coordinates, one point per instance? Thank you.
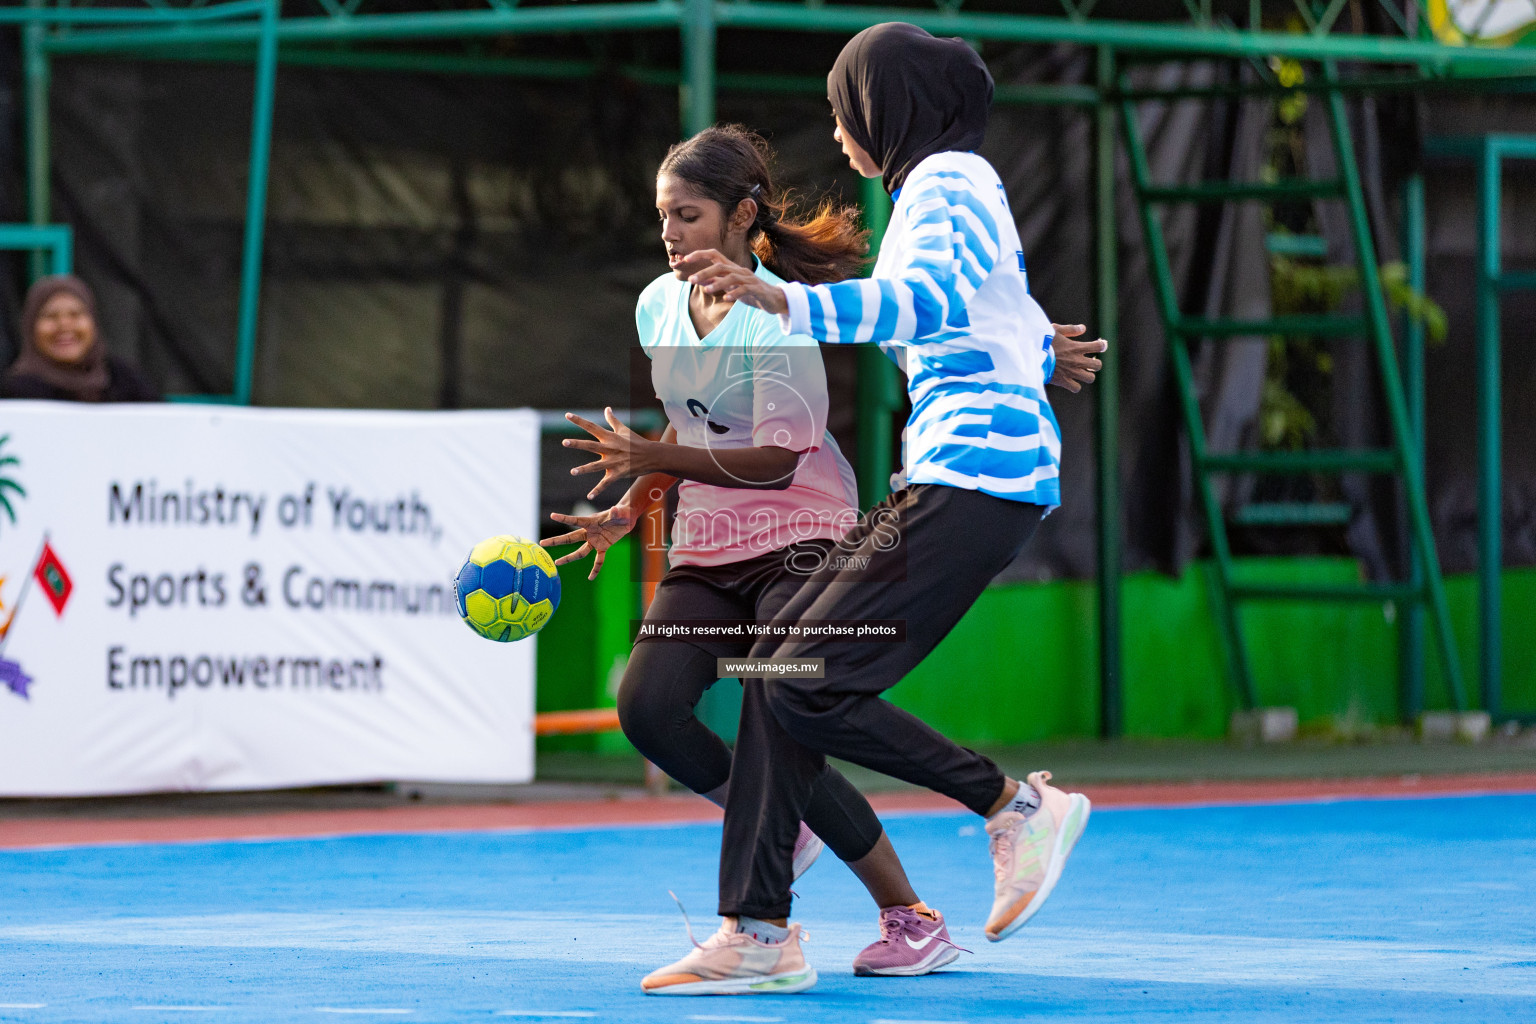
(763, 496)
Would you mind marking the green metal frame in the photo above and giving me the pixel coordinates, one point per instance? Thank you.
(880, 392)
(1106, 303)
(53, 244)
(1410, 635)
(1403, 459)
(346, 34)
(1488, 153)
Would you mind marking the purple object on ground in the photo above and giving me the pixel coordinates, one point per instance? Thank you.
(12, 677)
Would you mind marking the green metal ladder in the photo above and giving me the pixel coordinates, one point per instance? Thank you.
(1425, 587)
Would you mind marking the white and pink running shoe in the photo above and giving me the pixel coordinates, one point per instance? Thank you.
(1029, 853)
(733, 963)
(913, 941)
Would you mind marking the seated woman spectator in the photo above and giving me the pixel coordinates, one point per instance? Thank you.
(62, 356)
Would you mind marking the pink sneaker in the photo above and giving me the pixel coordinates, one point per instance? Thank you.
(808, 847)
(913, 941)
(733, 963)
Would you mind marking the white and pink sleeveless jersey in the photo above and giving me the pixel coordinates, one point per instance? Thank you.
(746, 385)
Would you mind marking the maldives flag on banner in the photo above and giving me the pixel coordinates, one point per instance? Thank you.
(54, 580)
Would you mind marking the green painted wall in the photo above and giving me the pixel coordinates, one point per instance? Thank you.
(1022, 666)
(583, 648)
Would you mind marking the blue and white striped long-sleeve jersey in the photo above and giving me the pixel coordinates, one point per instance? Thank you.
(949, 289)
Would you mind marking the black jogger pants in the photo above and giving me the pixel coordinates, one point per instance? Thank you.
(922, 556)
(665, 680)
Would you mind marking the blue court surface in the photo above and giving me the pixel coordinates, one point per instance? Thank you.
(1392, 910)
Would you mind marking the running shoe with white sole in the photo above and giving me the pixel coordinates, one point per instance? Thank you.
(733, 963)
(808, 847)
(913, 941)
(1029, 853)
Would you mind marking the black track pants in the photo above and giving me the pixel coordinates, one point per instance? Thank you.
(923, 556)
(665, 680)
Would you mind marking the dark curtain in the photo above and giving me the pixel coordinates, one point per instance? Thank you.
(442, 242)
(1451, 449)
(1218, 263)
(13, 203)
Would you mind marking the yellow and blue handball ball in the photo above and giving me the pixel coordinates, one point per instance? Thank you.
(509, 587)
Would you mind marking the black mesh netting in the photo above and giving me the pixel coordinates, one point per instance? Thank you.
(444, 241)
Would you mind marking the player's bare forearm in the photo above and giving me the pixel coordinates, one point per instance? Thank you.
(621, 453)
(766, 468)
(646, 491)
(649, 489)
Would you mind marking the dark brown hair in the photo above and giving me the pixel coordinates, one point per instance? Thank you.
(729, 163)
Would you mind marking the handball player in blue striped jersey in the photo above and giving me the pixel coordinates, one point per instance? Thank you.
(949, 302)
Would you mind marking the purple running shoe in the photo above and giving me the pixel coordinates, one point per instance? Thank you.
(913, 940)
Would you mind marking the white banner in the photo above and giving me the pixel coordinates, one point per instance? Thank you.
(225, 598)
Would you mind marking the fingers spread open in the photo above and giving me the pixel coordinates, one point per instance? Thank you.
(602, 484)
(580, 552)
(587, 425)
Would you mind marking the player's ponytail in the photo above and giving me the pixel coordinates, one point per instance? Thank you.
(728, 164)
(830, 246)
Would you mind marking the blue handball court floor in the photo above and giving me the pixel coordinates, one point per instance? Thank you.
(1354, 911)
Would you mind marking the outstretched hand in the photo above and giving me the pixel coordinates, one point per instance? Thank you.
(1075, 363)
(596, 533)
(618, 450)
(735, 283)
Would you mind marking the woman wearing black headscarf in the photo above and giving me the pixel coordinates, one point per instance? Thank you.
(62, 356)
(902, 95)
(949, 301)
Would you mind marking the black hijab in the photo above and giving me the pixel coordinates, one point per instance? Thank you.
(903, 95)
